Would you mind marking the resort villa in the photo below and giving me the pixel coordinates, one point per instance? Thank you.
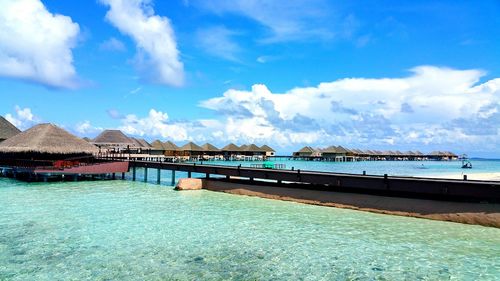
(7, 130)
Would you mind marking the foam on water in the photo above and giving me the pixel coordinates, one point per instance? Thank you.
(126, 230)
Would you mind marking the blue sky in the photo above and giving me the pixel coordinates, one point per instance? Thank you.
(368, 74)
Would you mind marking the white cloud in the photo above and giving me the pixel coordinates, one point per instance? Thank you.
(433, 105)
(85, 128)
(35, 45)
(217, 41)
(112, 44)
(156, 124)
(285, 20)
(23, 118)
(157, 57)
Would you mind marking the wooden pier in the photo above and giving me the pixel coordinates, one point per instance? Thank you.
(412, 187)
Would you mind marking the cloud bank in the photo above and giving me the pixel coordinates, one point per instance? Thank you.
(36, 45)
(157, 58)
(431, 107)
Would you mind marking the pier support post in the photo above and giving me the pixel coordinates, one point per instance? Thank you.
(145, 174)
(123, 176)
(75, 177)
(189, 175)
(113, 176)
(173, 177)
(207, 176)
(133, 173)
(465, 177)
(158, 176)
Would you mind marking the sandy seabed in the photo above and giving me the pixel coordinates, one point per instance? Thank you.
(485, 214)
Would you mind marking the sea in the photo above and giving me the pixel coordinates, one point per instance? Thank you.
(136, 230)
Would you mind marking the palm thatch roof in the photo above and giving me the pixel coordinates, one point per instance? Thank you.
(86, 139)
(244, 147)
(113, 137)
(267, 148)
(330, 149)
(191, 146)
(340, 149)
(47, 139)
(144, 143)
(7, 130)
(157, 145)
(231, 147)
(306, 149)
(210, 148)
(253, 148)
(170, 146)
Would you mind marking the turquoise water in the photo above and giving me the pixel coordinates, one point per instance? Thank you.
(400, 168)
(123, 230)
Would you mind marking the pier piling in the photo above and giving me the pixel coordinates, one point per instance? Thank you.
(173, 177)
(133, 173)
(145, 174)
(158, 176)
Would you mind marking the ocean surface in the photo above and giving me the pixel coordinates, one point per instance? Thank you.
(124, 230)
(399, 168)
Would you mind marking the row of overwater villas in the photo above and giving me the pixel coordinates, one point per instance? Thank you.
(341, 154)
(115, 142)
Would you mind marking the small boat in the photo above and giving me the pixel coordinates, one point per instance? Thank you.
(466, 164)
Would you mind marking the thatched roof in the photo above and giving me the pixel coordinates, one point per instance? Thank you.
(340, 149)
(306, 149)
(191, 146)
(7, 130)
(330, 149)
(267, 148)
(113, 137)
(253, 148)
(170, 146)
(158, 145)
(144, 143)
(86, 139)
(209, 147)
(244, 147)
(46, 138)
(231, 147)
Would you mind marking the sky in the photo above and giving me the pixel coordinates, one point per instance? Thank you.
(371, 74)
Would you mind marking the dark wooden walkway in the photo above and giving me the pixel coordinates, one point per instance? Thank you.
(442, 189)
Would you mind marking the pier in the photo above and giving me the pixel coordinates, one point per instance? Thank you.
(411, 187)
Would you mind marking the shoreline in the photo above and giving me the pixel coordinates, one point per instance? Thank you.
(459, 212)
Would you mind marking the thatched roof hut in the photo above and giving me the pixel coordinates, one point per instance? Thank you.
(244, 147)
(157, 145)
(7, 130)
(191, 146)
(170, 146)
(86, 139)
(46, 139)
(231, 148)
(113, 137)
(209, 148)
(255, 149)
(267, 148)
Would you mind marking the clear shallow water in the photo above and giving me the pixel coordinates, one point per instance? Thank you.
(126, 230)
(400, 168)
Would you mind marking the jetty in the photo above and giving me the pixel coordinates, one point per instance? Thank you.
(409, 187)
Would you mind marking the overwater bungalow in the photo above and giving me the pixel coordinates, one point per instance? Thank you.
(252, 152)
(211, 152)
(191, 151)
(269, 151)
(113, 141)
(231, 151)
(7, 130)
(46, 149)
(332, 153)
(306, 151)
(171, 149)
